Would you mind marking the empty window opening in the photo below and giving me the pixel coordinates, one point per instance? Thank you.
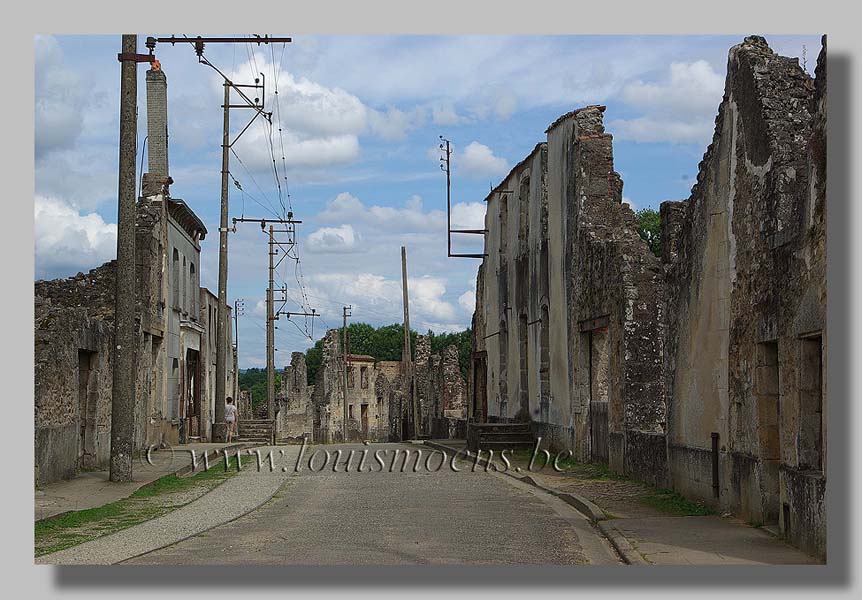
(175, 278)
(193, 305)
(87, 399)
(524, 214)
(597, 341)
(504, 224)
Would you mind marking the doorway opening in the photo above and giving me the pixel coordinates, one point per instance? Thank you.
(87, 399)
(767, 391)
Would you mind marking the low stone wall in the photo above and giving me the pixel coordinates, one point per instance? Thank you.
(805, 507)
(646, 457)
(56, 453)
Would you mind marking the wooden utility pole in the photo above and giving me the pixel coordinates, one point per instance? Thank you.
(345, 314)
(407, 353)
(125, 340)
(270, 332)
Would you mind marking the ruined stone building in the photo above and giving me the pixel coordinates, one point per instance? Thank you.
(174, 400)
(745, 354)
(440, 391)
(568, 325)
(379, 401)
(294, 409)
(704, 369)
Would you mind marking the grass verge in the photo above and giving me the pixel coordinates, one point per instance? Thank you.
(672, 503)
(153, 500)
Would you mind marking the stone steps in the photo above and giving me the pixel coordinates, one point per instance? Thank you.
(499, 446)
(256, 430)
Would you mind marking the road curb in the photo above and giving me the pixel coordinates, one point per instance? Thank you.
(579, 503)
(621, 544)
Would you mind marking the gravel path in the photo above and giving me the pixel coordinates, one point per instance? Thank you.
(234, 498)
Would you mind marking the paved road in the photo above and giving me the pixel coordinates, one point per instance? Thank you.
(397, 517)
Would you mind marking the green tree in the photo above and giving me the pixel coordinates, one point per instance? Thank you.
(649, 228)
(386, 343)
(254, 381)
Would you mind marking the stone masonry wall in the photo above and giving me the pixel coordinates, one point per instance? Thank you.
(745, 353)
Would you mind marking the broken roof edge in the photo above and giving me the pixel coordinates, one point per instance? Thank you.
(537, 148)
(600, 107)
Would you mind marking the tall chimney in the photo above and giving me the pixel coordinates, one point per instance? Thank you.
(157, 123)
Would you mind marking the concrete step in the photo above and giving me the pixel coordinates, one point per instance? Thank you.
(498, 446)
(486, 438)
(501, 427)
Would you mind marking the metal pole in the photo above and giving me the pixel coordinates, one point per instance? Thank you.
(270, 334)
(125, 340)
(219, 430)
(448, 205)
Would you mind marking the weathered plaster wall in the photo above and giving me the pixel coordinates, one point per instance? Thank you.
(747, 286)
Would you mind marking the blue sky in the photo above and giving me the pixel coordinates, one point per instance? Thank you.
(360, 119)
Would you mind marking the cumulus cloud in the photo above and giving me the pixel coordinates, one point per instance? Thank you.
(411, 217)
(478, 160)
(648, 129)
(468, 215)
(333, 239)
(467, 300)
(61, 98)
(678, 109)
(67, 241)
(443, 113)
(691, 88)
(377, 298)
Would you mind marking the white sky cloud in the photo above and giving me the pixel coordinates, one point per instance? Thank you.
(61, 97)
(68, 242)
(467, 300)
(333, 239)
(478, 160)
(680, 108)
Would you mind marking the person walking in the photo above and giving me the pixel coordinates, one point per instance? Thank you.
(231, 418)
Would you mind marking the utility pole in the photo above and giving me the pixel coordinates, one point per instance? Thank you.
(238, 305)
(270, 333)
(407, 353)
(125, 340)
(272, 313)
(345, 314)
(445, 166)
(219, 428)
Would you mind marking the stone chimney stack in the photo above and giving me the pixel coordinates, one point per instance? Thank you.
(157, 123)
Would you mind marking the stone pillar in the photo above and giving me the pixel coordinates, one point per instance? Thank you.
(157, 123)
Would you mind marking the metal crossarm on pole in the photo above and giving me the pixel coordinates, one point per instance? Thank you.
(445, 166)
